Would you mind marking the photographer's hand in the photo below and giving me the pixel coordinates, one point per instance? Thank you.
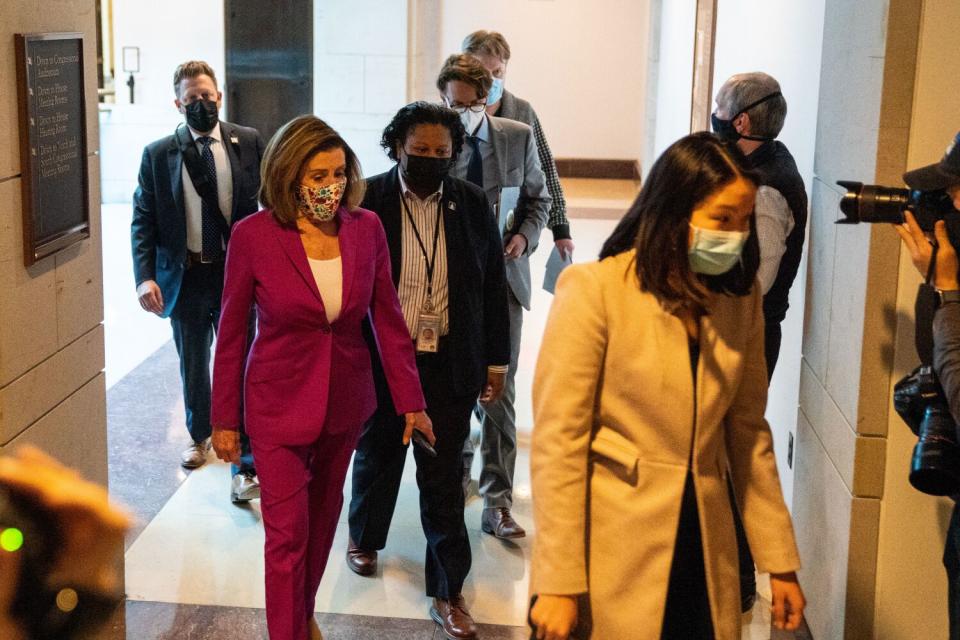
(93, 528)
(946, 278)
(921, 251)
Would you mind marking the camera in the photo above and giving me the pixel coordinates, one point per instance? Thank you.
(918, 398)
(935, 465)
(876, 203)
(46, 612)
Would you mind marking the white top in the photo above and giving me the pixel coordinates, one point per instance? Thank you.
(329, 277)
(191, 199)
(774, 224)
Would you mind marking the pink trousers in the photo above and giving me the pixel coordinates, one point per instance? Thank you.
(301, 490)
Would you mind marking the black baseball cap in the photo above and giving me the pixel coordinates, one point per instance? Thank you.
(941, 175)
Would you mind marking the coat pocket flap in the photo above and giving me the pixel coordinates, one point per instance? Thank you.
(614, 446)
(259, 371)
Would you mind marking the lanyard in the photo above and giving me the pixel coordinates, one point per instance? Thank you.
(431, 260)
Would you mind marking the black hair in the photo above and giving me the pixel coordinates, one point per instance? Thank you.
(657, 223)
(418, 113)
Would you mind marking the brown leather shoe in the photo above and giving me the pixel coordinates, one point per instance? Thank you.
(498, 522)
(453, 618)
(361, 561)
(195, 455)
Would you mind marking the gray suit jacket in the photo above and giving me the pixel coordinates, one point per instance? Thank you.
(518, 165)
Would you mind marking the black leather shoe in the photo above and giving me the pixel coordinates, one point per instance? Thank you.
(361, 561)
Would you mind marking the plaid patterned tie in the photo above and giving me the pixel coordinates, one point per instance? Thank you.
(475, 164)
(212, 237)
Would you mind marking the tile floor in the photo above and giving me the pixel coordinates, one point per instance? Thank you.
(194, 565)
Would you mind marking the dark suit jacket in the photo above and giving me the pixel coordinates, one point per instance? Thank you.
(159, 228)
(479, 323)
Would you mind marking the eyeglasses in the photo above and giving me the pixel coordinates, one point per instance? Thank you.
(476, 107)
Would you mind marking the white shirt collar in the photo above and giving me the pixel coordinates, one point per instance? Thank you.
(407, 192)
(215, 134)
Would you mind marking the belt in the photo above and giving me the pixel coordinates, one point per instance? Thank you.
(194, 258)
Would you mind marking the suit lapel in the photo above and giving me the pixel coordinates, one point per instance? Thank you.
(175, 166)
(457, 238)
(498, 138)
(289, 239)
(349, 240)
(232, 146)
(392, 222)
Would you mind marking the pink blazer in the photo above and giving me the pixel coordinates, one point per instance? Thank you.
(304, 375)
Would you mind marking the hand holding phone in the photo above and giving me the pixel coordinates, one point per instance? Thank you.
(421, 442)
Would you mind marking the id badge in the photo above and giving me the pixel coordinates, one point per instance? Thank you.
(428, 332)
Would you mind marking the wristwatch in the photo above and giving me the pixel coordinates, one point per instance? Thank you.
(946, 297)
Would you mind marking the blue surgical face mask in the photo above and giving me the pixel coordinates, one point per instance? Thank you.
(496, 91)
(715, 252)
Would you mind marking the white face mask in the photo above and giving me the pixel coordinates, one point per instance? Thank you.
(471, 121)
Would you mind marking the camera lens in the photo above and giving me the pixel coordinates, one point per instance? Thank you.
(936, 456)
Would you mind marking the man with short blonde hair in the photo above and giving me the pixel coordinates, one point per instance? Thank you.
(193, 186)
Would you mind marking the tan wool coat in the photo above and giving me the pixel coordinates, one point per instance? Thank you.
(615, 420)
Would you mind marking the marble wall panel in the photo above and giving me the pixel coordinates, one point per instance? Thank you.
(75, 431)
(821, 247)
(41, 16)
(382, 32)
(339, 85)
(29, 397)
(385, 84)
(28, 306)
(847, 317)
(79, 275)
(822, 517)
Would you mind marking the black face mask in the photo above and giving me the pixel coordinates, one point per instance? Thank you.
(424, 172)
(725, 129)
(202, 115)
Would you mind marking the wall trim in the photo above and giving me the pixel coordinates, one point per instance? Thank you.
(603, 168)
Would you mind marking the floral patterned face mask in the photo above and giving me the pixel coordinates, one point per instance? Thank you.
(320, 203)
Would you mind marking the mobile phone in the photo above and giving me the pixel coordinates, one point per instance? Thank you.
(421, 442)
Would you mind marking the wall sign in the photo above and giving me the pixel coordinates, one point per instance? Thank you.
(53, 142)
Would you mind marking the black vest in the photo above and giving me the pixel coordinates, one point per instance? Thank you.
(776, 168)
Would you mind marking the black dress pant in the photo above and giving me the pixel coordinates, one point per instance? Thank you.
(194, 320)
(378, 467)
(687, 613)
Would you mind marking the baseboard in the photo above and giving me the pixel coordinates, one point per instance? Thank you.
(602, 168)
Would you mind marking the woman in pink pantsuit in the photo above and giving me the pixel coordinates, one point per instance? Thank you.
(314, 266)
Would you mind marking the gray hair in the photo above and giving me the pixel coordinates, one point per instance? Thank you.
(743, 89)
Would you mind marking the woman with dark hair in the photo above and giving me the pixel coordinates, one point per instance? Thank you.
(448, 268)
(315, 266)
(649, 391)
